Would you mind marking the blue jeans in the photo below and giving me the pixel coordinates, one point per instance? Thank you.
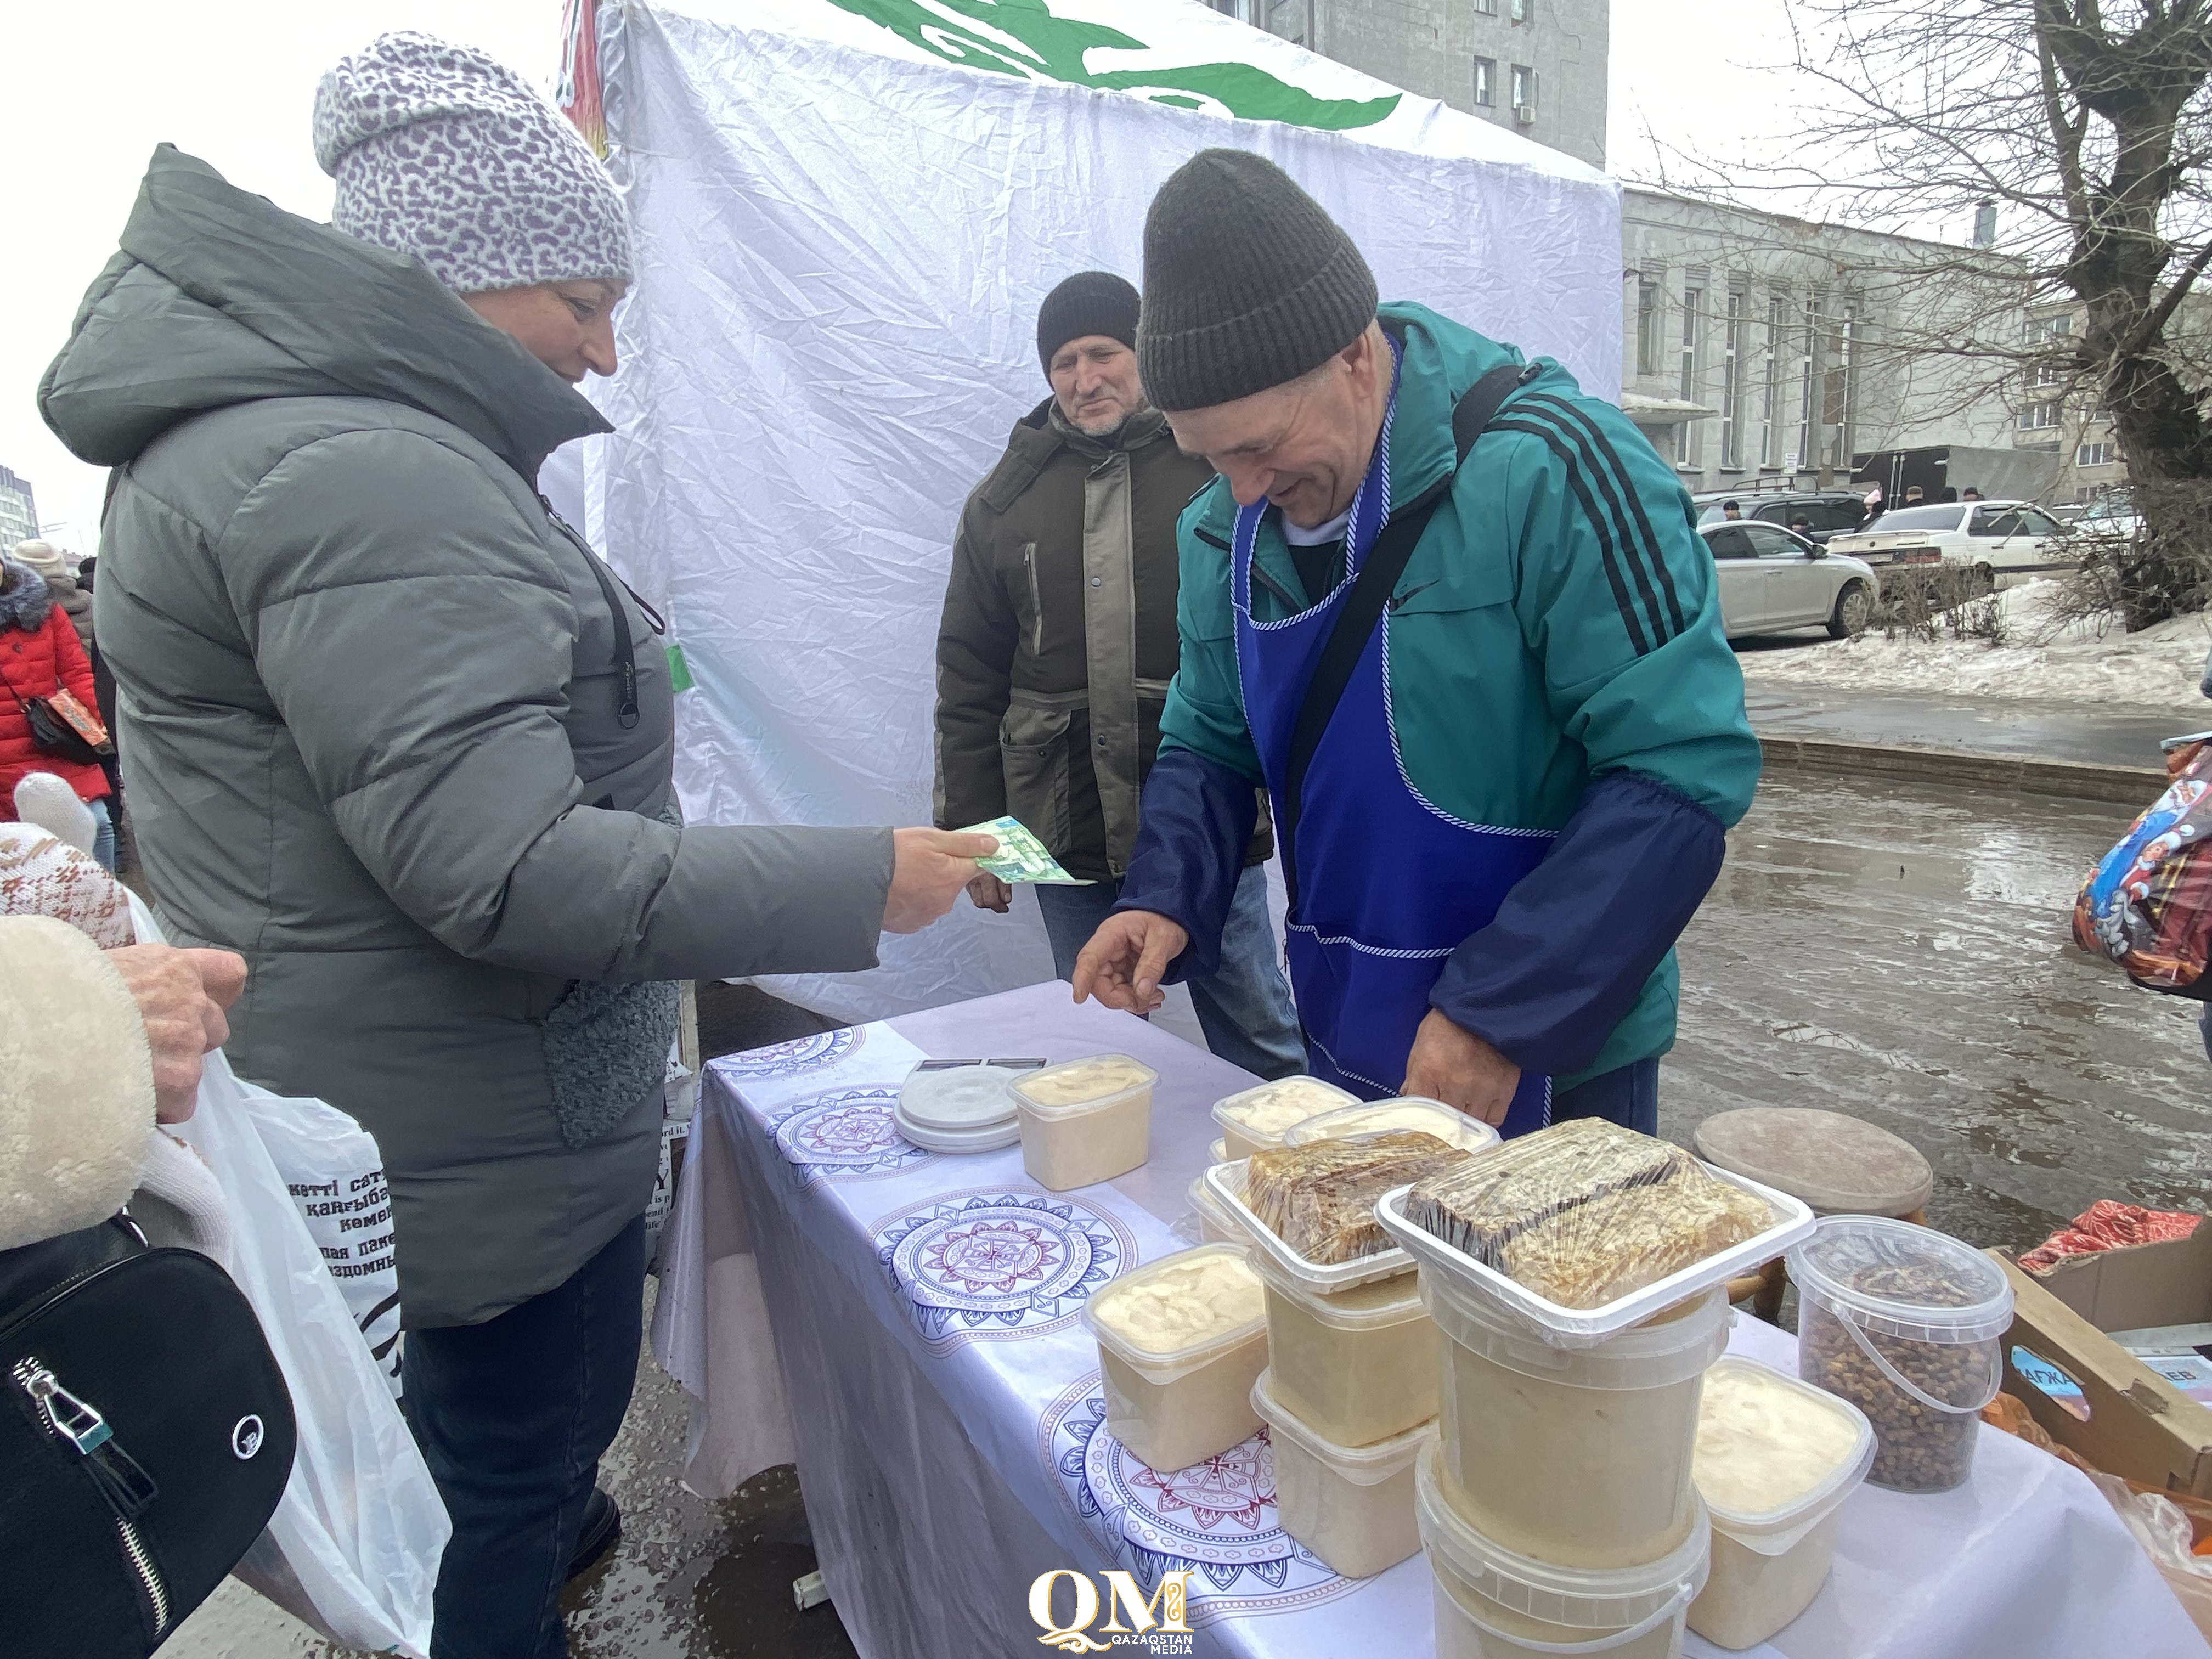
(103, 834)
(1244, 1009)
(1628, 1096)
(512, 1416)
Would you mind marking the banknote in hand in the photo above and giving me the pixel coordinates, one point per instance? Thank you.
(1021, 856)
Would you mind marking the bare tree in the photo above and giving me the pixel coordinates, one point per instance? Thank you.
(2090, 123)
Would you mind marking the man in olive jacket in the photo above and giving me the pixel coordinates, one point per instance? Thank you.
(1057, 646)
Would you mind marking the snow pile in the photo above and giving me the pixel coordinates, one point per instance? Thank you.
(2157, 669)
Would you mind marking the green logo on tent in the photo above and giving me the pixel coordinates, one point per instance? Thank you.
(1022, 37)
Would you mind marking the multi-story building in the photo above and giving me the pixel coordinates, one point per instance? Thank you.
(2055, 409)
(1761, 351)
(19, 512)
(1537, 67)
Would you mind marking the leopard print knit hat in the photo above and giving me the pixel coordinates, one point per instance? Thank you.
(444, 153)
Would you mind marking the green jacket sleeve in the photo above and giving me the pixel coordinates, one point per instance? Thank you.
(1205, 711)
(1618, 598)
(976, 638)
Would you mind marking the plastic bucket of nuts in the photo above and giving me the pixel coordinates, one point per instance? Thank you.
(1908, 1325)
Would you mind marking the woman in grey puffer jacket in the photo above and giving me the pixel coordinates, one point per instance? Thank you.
(395, 734)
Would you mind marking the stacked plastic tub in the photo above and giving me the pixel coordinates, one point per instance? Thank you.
(1557, 1506)
(1350, 1394)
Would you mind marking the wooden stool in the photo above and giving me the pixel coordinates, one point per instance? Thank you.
(1836, 1164)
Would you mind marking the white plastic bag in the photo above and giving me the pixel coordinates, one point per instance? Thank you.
(335, 1175)
(354, 1547)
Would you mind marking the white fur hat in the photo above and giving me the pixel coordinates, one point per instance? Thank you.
(76, 1083)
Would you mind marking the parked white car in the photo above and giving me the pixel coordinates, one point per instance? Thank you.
(2003, 544)
(1771, 581)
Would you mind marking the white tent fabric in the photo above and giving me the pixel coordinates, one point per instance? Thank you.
(844, 237)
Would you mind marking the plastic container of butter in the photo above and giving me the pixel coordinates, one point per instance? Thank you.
(1085, 1121)
(1775, 1459)
(1255, 1120)
(1181, 1341)
(1577, 1457)
(1359, 1366)
(1214, 1221)
(1494, 1603)
(1376, 1117)
(1351, 1505)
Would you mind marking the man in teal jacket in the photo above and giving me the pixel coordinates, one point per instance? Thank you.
(1454, 614)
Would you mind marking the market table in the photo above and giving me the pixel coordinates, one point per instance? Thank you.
(906, 1325)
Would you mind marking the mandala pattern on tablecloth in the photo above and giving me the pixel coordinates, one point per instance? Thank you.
(994, 1263)
(1216, 1518)
(799, 1056)
(844, 1133)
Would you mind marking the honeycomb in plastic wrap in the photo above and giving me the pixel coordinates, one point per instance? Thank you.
(1585, 1212)
(1319, 1199)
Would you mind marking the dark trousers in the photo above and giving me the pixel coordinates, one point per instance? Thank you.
(512, 1416)
(1628, 1096)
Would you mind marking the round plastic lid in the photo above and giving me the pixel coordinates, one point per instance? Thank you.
(985, 1138)
(1581, 1598)
(1836, 1162)
(963, 1097)
(1897, 1280)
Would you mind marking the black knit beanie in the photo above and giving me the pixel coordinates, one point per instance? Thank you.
(1089, 302)
(1248, 283)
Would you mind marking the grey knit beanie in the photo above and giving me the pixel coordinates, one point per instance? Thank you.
(442, 152)
(1248, 283)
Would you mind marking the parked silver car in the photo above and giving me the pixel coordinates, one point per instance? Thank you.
(1771, 581)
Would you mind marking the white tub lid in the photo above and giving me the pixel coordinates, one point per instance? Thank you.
(1581, 1598)
(960, 1098)
(1900, 1280)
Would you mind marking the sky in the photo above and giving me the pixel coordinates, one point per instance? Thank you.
(95, 85)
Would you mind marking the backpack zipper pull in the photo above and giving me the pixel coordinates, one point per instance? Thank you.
(73, 1419)
(122, 1480)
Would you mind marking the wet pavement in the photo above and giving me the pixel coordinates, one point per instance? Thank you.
(1897, 951)
(1901, 952)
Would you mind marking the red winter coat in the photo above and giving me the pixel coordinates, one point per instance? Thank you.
(33, 664)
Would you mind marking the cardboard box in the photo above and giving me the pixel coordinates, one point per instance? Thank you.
(2138, 1425)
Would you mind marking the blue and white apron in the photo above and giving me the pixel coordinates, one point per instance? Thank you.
(1389, 885)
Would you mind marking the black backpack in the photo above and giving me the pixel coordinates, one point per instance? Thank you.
(146, 1436)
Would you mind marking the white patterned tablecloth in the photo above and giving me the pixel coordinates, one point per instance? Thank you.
(906, 1325)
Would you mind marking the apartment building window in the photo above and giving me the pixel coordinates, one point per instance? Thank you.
(2056, 327)
(1520, 9)
(2103, 454)
(1808, 451)
(2048, 372)
(1732, 384)
(1770, 409)
(1487, 8)
(1647, 328)
(1486, 82)
(2034, 417)
(1523, 91)
(1689, 437)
